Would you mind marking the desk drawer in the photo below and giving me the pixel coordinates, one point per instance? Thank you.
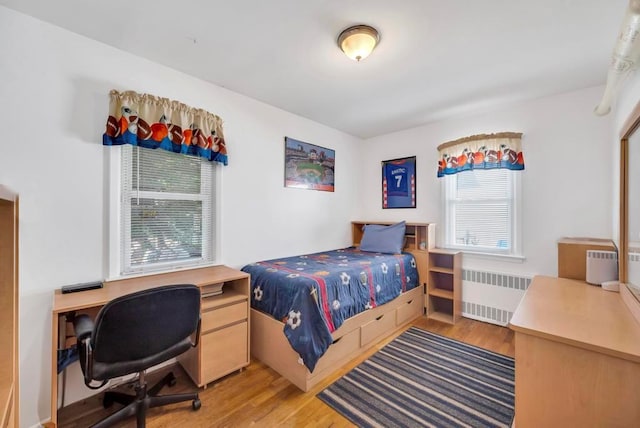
(219, 317)
(224, 351)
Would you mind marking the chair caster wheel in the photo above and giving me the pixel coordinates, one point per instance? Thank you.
(196, 404)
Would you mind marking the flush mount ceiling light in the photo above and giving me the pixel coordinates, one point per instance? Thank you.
(358, 41)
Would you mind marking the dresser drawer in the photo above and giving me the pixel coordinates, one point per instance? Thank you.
(379, 327)
(219, 317)
(408, 311)
(224, 351)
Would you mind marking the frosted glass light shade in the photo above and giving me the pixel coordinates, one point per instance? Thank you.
(358, 42)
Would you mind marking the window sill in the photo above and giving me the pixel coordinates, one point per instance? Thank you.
(490, 256)
(159, 271)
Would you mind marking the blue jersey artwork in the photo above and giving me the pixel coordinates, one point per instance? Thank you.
(397, 179)
(399, 183)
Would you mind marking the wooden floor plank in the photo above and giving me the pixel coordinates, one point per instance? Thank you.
(258, 396)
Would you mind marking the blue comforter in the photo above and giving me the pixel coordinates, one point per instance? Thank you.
(314, 294)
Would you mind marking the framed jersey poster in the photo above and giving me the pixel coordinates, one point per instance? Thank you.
(399, 183)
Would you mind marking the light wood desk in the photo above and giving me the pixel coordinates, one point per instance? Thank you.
(224, 339)
(577, 357)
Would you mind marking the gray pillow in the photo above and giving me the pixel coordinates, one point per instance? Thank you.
(383, 239)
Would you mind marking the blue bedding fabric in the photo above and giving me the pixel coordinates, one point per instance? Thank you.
(314, 294)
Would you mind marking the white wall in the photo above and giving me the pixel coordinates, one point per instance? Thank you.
(54, 89)
(566, 185)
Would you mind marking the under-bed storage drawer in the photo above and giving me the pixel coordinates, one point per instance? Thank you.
(219, 317)
(340, 348)
(380, 326)
(224, 351)
(408, 311)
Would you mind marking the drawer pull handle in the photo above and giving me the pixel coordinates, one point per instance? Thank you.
(380, 317)
(409, 302)
(336, 341)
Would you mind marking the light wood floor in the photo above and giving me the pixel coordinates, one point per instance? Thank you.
(258, 396)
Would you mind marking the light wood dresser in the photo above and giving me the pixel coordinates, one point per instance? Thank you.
(577, 357)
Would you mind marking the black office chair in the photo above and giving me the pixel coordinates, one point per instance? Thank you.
(131, 334)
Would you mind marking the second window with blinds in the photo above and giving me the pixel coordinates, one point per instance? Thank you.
(167, 211)
(482, 212)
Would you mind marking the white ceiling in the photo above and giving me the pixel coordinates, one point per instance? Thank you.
(436, 58)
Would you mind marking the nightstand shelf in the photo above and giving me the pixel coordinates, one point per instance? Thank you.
(441, 269)
(444, 287)
(442, 317)
(439, 292)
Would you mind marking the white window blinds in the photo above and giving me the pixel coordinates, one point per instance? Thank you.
(167, 210)
(480, 210)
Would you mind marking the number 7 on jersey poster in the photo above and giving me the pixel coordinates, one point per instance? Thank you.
(399, 183)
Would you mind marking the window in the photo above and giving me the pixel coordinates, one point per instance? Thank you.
(481, 209)
(167, 211)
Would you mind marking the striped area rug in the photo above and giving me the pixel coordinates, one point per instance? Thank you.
(423, 379)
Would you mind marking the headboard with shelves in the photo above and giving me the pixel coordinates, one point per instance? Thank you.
(419, 238)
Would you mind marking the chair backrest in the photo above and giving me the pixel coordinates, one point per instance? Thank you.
(143, 324)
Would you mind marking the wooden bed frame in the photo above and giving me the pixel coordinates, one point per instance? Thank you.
(358, 333)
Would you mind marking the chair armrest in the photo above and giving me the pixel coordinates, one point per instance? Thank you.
(195, 342)
(83, 327)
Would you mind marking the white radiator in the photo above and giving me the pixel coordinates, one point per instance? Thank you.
(633, 264)
(602, 266)
(491, 296)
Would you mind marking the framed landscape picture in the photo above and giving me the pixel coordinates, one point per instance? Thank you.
(399, 183)
(307, 166)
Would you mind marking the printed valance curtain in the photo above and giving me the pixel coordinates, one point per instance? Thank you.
(148, 121)
(485, 151)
